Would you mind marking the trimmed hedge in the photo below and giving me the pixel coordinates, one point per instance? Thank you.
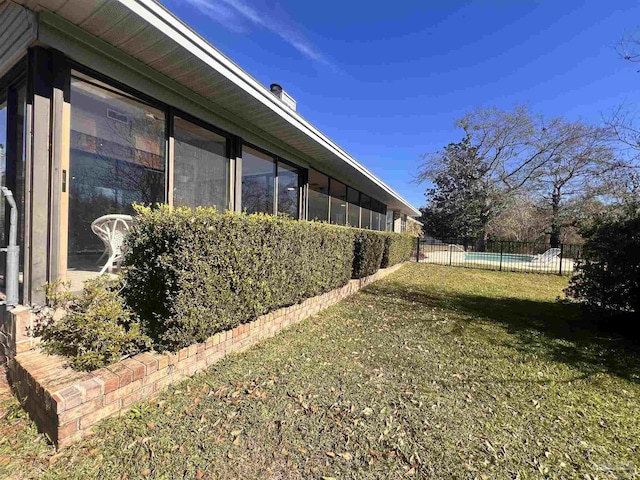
(192, 273)
(368, 247)
(397, 248)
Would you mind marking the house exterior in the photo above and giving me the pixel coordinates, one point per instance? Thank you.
(104, 103)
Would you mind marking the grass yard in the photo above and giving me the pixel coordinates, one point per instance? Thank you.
(435, 372)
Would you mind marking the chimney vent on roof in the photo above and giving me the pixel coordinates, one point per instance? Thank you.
(287, 99)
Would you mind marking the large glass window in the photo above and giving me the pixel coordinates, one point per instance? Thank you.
(353, 199)
(377, 215)
(288, 190)
(365, 211)
(201, 167)
(117, 157)
(258, 177)
(375, 221)
(338, 193)
(389, 217)
(318, 196)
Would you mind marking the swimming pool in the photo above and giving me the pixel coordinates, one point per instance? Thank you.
(495, 257)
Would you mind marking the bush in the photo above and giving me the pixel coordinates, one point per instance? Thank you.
(192, 273)
(608, 276)
(397, 248)
(97, 329)
(368, 247)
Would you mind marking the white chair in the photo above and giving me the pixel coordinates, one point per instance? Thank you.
(546, 257)
(111, 229)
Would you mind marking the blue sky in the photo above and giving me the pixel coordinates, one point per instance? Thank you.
(387, 80)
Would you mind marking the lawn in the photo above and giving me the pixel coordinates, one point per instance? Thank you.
(434, 372)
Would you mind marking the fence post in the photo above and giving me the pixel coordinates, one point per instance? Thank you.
(418, 250)
(501, 250)
(450, 254)
(561, 255)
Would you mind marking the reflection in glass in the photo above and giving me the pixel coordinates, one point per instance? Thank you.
(288, 191)
(318, 196)
(365, 211)
(117, 157)
(389, 217)
(338, 195)
(201, 167)
(258, 174)
(353, 199)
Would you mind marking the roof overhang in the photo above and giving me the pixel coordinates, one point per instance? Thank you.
(149, 33)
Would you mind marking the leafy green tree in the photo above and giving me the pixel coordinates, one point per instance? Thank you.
(460, 204)
(608, 276)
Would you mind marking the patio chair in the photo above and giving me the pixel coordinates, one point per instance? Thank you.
(546, 257)
(111, 229)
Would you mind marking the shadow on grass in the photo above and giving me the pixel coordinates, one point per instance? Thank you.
(557, 331)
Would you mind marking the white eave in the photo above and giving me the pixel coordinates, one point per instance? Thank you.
(151, 34)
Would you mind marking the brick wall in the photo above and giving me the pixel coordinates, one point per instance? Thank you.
(66, 404)
(15, 325)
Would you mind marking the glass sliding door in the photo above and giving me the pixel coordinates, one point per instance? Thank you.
(318, 196)
(258, 178)
(288, 190)
(116, 158)
(200, 167)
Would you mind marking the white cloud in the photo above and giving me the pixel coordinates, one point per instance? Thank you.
(235, 14)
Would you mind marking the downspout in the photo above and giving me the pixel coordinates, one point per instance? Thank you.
(13, 254)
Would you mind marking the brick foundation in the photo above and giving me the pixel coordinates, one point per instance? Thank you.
(66, 404)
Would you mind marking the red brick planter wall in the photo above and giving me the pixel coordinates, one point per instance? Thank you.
(66, 404)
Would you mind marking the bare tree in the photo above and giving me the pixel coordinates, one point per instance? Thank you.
(581, 165)
(629, 46)
(519, 153)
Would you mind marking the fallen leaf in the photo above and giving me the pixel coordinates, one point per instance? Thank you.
(331, 454)
(346, 455)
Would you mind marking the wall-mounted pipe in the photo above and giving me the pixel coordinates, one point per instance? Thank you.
(12, 273)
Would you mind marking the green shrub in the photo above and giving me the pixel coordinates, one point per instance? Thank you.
(191, 273)
(97, 329)
(368, 248)
(608, 276)
(397, 248)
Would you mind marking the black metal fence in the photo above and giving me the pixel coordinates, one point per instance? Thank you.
(501, 255)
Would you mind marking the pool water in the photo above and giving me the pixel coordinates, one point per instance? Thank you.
(495, 257)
